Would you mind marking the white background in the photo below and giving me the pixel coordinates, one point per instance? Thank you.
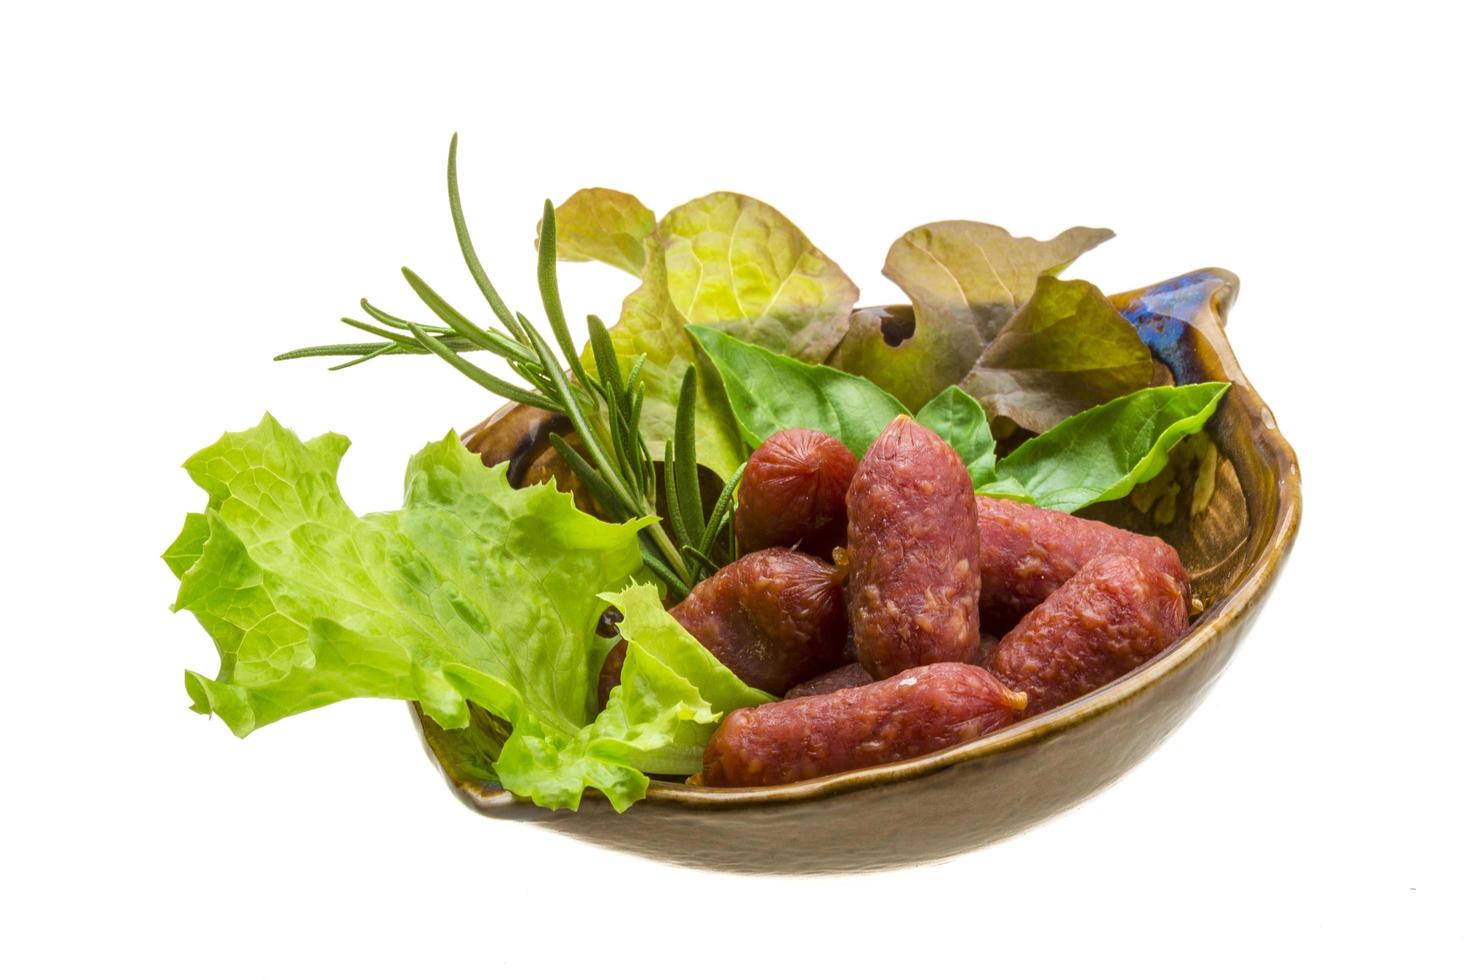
(189, 190)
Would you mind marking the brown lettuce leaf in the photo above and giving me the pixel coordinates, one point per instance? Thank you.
(1066, 350)
(965, 280)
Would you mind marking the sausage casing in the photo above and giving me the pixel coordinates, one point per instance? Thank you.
(774, 617)
(848, 675)
(913, 551)
(1115, 614)
(913, 713)
(794, 493)
(1027, 552)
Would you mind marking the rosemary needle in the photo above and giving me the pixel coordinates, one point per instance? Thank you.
(611, 457)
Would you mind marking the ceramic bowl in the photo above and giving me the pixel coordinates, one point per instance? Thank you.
(1233, 519)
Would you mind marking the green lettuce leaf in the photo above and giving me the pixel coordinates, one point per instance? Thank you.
(472, 593)
(1066, 350)
(965, 280)
(960, 421)
(671, 696)
(1102, 453)
(769, 392)
(671, 688)
(726, 261)
(597, 224)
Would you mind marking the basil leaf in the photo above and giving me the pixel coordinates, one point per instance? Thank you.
(959, 420)
(769, 392)
(1066, 350)
(1007, 487)
(1100, 454)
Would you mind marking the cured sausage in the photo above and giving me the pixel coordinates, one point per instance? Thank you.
(775, 618)
(848, 675)
(913, 713)
(1113, 615)
(793, 493)
(1027, 552)
(913, 553)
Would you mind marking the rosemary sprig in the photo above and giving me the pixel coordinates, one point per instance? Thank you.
(613, 460)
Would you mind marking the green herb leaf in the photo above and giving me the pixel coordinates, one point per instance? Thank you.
(720, 513)
(551, 296)
(1103, 452)
(965, 280)
(652, 329)
(467, 246)
(597, 224)
(960, 421)
(1066, 350)
(769, 392)
(472, 592)
(1007, 487)
(687, 497)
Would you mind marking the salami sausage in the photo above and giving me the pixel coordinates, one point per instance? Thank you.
(913, 553)
(793, 493)
(848, 675)
(913, 713)
(1113, 615)
(775, 618)
(1027, 552)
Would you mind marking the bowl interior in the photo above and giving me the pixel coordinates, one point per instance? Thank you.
(1229, 503)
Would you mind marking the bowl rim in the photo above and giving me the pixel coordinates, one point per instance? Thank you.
(1220, 618)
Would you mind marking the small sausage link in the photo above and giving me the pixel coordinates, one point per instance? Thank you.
(848, 675)
(1027, 552)
(911, 714)
(774, 617)
(793, 493)
(913, 553)
(1115, 614)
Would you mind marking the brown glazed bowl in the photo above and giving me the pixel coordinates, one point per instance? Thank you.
(1233, 523)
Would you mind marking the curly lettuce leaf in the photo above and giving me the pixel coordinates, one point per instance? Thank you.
(1102, 453)
(724, 260)
(965, 279)
(664, 660)
(472, 593)
(1066, 350)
